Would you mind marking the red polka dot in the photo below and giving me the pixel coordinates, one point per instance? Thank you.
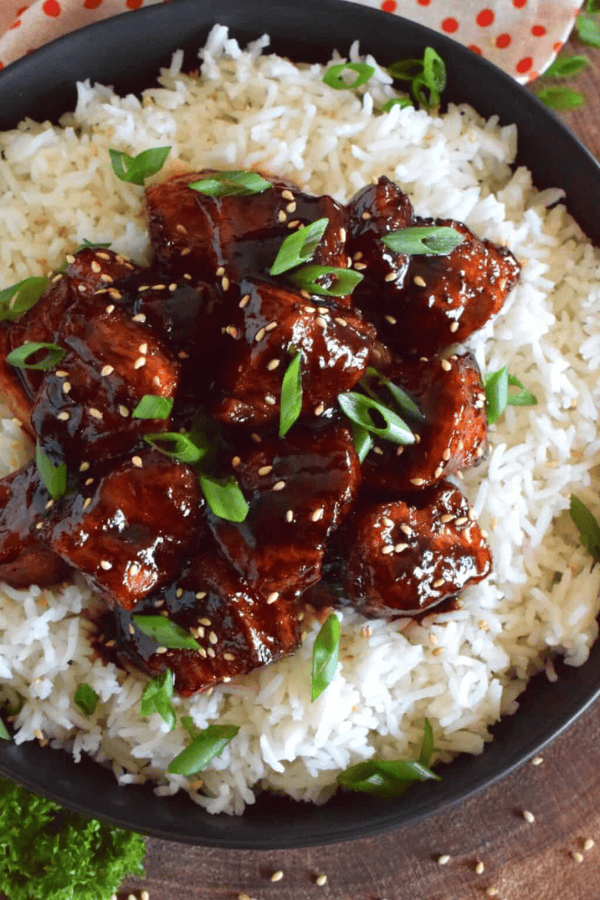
(485, 18)
(389, 5)
(1, 65)
(92, 4)
(557, 46)
(503, 41)
(538, 31)
(52, 8)
(134, 4)
(423, 2)
(476, 49)
(450, 25)
(519, 3)
(524, 64)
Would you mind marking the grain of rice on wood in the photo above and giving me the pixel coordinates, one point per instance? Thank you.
(252, 109)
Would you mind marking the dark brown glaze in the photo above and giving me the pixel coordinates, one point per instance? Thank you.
(12, 389)
(407, 555)
(128, 529)
(24, 559)
(299, 491)
(230, 237)
(452, 435)
(269, 325)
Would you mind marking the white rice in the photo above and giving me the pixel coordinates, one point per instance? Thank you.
(461, 669)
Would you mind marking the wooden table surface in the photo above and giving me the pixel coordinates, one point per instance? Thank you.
(541, 860)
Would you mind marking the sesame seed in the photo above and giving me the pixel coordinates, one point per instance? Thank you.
(131, 629)
(137, 461)
(317, 515)
(492, 891)
(95, 413)
(110, 644)
(229, 657)
(387, 549)
(577, 856)
(273, 364)
(260, 334)
(462, 520)
(454, 327)
(588, 843)
(270, 399)
(387, 522)
(279, 486)
(277, 876)
(96, 267)
(159, 287)
(341, 321)
(406, 529)
(419, 281)
(360, 266)
(256, 438)
(446, 366)
(200, 596)
(213, 638)
(479, 868)
(366, 216)
(282, 215)
(438, 472)
(89, 481)
(444, 859)
(399, 451)
(417, 481)
(49, 504)
(273, 597)
(202, 652)
(106, 370)
(537, 760)
(123, 411)
(289, 516)
(173, 286)
(225, 283)
(107, 278)
(446, 454)
(105, 564)
(294, 223)
(60, 373)
(291, 207)
(134, 569)
(264, 470)
(391, 320)
(115, 294)
(321, 880)
(144, 895)
(447, 517)
(343, 235)
(205, 621)
(143, 348)
(183, 355)
(319, 410)
(321, 321)
(391, 276)
(64, 416)
(110, 308)
(358, 255)
(39, 525)
(70, 258)
(141, 361)
(438, 582)
(287, 194)
(220, 271)
(211, 652)
(244, 301)
(84, 466)
(400, 547)
(528, 816)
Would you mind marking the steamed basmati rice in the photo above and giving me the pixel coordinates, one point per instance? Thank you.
(461, 669)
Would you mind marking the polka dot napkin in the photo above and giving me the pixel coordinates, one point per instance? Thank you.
(520, 36)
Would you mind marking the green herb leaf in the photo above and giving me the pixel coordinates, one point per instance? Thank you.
(291, 395)
(86, 699)
(325, 656)
(225, 498)
(157, 698)
(299, 247)
(333, 76)
(362, 440)
(17, 299)
(135, 169)
(402, 102)
(166, 633)
(498, 397)
(153, 407)
(4, 732)
(406, 403)
(205, 746)
(587, 525)
(560, 97)
(231, 184)
(361, 410)
(588, 30)
(524, 397)
(177, 446)
(19, 356)
(429, 240)
(566, 66)
(188, 724)
(54, 477)
(340, 281)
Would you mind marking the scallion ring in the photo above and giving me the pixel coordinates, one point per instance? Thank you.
(333, 76)
(340, 281)
(135, 169)
(299, 247)
(430, 240)
(231, 184)
(362, 410)
(165, 633)
(20, 355)
(290, 404)
(205, 746)
(18, 298)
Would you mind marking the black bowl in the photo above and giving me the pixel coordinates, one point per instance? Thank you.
(126, 51)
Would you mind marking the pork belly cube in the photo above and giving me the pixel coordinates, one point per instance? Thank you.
(408, 555)
(452, 434)
(24, 559)
(100, 268)
(236, 629)
(272, 324)
(83, 410)
(128, 528)
(235, 236)
(299, 490)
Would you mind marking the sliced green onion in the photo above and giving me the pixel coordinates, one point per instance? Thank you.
(166, 633)
(157, 698)
(325, 656)
(86, 699)
(405, 403)
(290, 404)
(588, 30)
(426, 754)
(54, 477)
(225, 498)
(135, 169)
(587, 526)
(231, 184)
(430, 100)
(498, 396)
(188, 724)
(402, 102)
(405, 69)
(362, 441)
(430, 240)
(205, 746)
(434, 70)
(20, 355)
(344, 280)
(333, 76)
(18, 298)
(360, 409)
(177, 446)
(4, 732)
(153, 407)
(566, 66)
(560, 97)
(427, 77)
(299, 247)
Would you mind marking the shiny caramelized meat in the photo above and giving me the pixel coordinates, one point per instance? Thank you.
(273, 324)
(83, 410)
(408, 555)
(299, 491)
(127, 529)
(452, 435)
(24, 560)
(230, 237)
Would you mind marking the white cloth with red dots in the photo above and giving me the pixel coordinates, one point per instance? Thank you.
(520, 36)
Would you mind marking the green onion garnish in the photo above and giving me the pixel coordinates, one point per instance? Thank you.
(361, 410)
(166, 633)
(560, 97)
(177, 446)
(405, 403)
(333, 75)
(157, 698)
(427, 77)
(20, 355)
(86, 699)
(498, 397)
(18, 298)
(566, 66)
(205, 746)
(290, 404)
(325, 656)
(225, 498)
(135, 169)
(54, 477)
(390, 779)
(299, 247)
(430, 240)
(402, 102)
(231, 184)
(362, 441)
(4, 732)
(588, 30)
(341, 281)
(587, 525)
(153, 407)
